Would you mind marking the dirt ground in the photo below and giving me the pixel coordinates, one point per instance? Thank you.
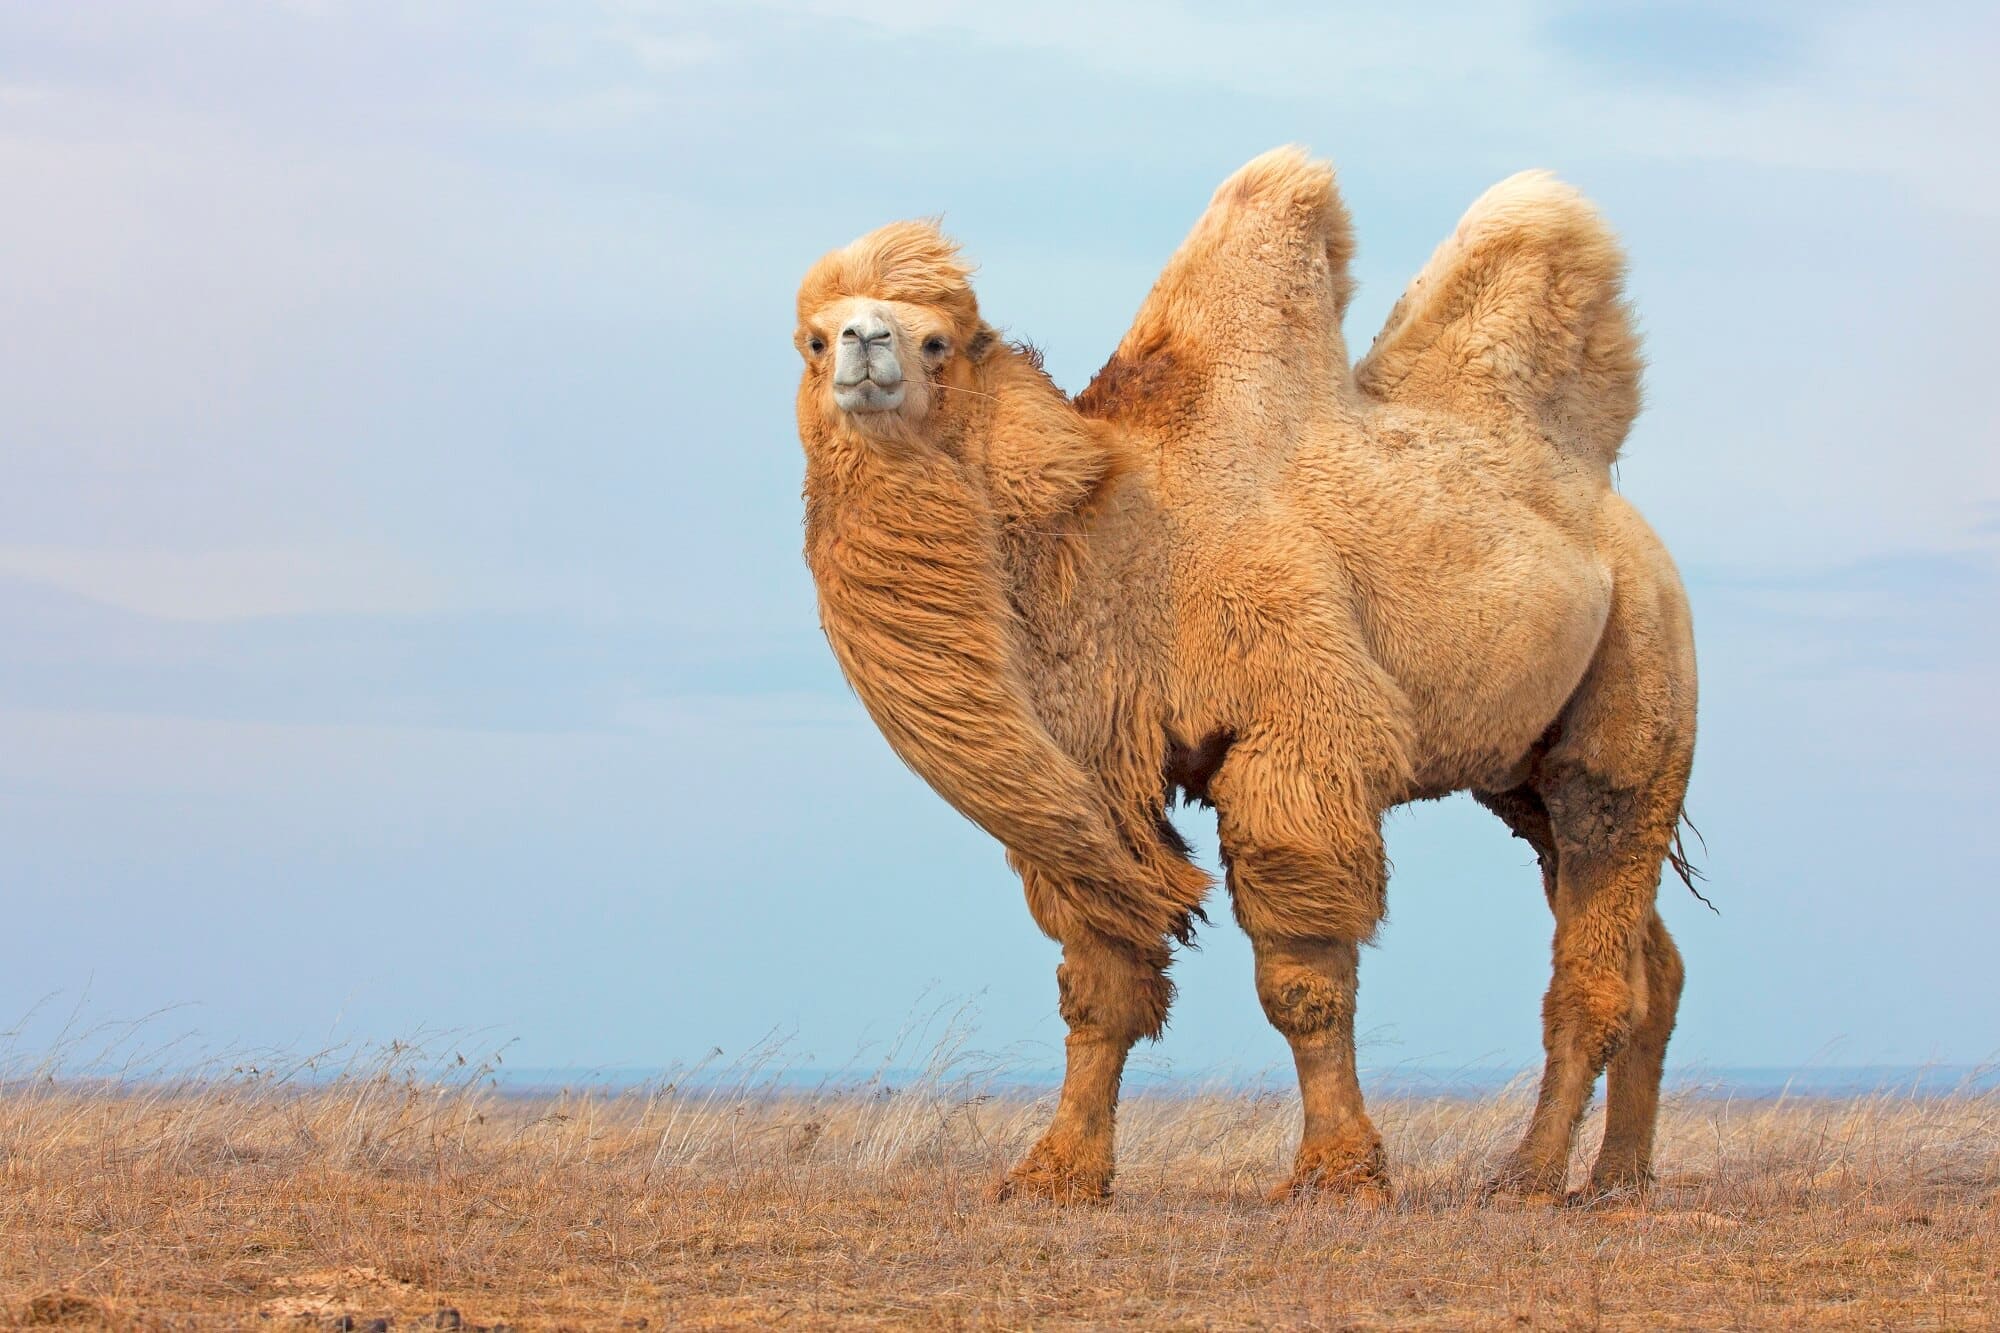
(392, 1202)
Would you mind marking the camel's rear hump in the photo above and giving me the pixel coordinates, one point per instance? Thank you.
(1519, 319)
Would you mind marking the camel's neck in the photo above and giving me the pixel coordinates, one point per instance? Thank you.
(1066, 492)
(1040, 459)
(1014, 508)
(938, 563)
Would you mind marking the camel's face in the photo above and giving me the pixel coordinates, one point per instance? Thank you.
(874, 365)
(887, 326)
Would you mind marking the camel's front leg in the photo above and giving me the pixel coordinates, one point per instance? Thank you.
(1308, 988)
(1307, 874)
(1111, 996)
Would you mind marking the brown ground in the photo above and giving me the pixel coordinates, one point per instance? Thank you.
(234, 1203)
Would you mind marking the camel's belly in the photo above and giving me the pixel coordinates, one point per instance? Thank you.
(1455, 648)
(1489, 662)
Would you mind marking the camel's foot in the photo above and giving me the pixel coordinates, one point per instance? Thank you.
(1060, 1170)
(1353, 1168)
(1525, 1182)
(1621, 1182)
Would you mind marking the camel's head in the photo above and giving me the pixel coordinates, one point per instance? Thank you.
(887, 326)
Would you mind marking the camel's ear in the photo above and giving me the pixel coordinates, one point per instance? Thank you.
(984, 340)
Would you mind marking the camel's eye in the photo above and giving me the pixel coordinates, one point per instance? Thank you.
(816, 344)
(936, 346)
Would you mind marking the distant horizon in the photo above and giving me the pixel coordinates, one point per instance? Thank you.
(937, 1050)
(1396, 1083)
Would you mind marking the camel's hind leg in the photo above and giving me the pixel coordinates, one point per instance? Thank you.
(1625, 1160)
(1610, 842)
(1633, 1098)
(1525, 815)
(1612, 779)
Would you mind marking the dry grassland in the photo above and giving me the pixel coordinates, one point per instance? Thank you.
(385, 1200)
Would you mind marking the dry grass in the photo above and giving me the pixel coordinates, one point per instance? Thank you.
(386, 1196)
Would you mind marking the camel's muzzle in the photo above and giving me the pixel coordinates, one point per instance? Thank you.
(867, 373)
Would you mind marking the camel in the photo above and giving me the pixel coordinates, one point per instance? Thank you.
(1239, 570)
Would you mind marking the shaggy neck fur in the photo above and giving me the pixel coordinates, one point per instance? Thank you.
(920, 547)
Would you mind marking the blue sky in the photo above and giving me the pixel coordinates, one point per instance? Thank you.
(402, 625)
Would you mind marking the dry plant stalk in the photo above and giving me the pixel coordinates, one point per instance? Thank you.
(733, 1202)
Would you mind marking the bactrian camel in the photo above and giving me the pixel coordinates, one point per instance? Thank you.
(1240, 570)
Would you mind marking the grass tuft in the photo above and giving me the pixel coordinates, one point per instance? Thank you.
(418, 1194)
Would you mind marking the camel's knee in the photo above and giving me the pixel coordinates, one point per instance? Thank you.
(1302, 1004)
(1307, 988)
(1106, 991)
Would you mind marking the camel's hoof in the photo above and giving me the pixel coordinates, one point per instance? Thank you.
(1612, 1189)
(1348, 1188)
(1044, 1175)
(1524, 1187)
(1355, 1174)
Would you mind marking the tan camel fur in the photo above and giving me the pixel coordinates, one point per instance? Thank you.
(1238, 570)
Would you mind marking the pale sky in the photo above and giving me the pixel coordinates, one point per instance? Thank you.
(402, 623)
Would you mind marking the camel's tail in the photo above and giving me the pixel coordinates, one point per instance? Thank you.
(1519, 320)
(1683, 864)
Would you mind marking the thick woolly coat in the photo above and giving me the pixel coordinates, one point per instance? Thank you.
(1239, 568)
